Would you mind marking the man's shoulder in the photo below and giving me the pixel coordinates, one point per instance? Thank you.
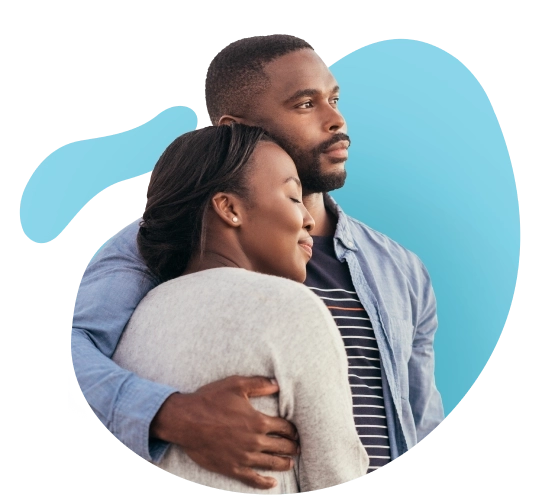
(370, 240)
(124, 243)
(379, 249)
(120, 253)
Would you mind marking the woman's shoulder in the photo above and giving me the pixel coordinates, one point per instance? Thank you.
(236, 285)
(238, 279)
(225, 297)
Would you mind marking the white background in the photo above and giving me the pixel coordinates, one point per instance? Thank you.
(73, 71)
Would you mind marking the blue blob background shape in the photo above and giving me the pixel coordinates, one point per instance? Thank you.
(72, 175)
(428, 167)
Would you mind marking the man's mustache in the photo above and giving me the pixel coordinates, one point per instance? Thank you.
(338, 137)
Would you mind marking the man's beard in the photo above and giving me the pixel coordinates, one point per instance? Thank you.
(309, 165)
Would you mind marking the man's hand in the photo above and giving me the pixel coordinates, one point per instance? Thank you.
(220, 430)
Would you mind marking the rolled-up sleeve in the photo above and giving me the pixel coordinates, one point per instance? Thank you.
(425, 399)
(112, 286)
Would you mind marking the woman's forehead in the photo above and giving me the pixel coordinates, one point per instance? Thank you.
(272, 165)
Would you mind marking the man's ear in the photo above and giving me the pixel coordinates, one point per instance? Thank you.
(228, 208)
(228, 120)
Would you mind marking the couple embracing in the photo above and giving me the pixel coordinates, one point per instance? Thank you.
(194, 340)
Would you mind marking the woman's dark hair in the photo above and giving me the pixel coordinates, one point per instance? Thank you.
(189, 173)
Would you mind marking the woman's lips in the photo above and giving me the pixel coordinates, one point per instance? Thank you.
(307, 249)
(306, 245)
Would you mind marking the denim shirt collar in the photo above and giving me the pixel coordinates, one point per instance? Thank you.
(343, 234)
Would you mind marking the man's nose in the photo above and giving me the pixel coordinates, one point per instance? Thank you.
(335, 121)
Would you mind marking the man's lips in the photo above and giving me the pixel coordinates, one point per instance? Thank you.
(338, 149)
(306, 245)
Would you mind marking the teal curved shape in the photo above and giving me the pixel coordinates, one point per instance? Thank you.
(72, 175)
(429, 167)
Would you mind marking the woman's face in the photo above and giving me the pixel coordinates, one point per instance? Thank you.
(275, 229)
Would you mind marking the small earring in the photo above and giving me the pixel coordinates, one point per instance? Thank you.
(235, 219)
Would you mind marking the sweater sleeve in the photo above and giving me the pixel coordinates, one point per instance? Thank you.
(315, 394)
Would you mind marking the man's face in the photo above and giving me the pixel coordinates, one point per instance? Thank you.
(299, 108)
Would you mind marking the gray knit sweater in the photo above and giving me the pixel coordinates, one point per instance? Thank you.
(206, 326)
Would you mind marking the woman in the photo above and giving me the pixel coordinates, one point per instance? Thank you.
(224, 222)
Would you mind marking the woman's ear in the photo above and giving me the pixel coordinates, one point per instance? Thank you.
(228, 208)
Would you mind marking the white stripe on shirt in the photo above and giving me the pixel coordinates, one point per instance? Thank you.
(333, 290)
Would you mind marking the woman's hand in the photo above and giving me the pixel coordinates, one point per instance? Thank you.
(220, 430)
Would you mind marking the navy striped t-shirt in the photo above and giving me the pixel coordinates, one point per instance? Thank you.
(331, 281)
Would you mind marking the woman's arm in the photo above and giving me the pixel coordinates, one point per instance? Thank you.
(250, 324)
(113, 285)
(315, 395)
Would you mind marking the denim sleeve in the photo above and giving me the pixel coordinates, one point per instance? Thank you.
(113, 284)
(425, 399)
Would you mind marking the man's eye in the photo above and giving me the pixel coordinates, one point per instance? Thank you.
(305, 105)
(295, 200)
(335, 101)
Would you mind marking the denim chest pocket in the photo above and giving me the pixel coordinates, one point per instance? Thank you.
(401, 336)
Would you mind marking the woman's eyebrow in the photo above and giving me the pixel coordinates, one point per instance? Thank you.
(295, 179)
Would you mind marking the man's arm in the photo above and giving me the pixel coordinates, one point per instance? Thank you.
(114, 283)
(424, 397)
(134, 409)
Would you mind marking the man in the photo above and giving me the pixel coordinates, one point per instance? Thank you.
(379, 294)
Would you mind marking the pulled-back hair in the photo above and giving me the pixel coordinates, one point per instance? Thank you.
(195, 167)
(236, 73)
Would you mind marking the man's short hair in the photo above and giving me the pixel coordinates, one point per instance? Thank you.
(236, 74)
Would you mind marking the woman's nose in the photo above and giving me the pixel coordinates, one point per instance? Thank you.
(308, 221)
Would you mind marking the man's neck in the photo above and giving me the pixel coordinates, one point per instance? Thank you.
(325, 221)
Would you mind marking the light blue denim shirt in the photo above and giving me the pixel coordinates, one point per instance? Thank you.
(391, 282)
